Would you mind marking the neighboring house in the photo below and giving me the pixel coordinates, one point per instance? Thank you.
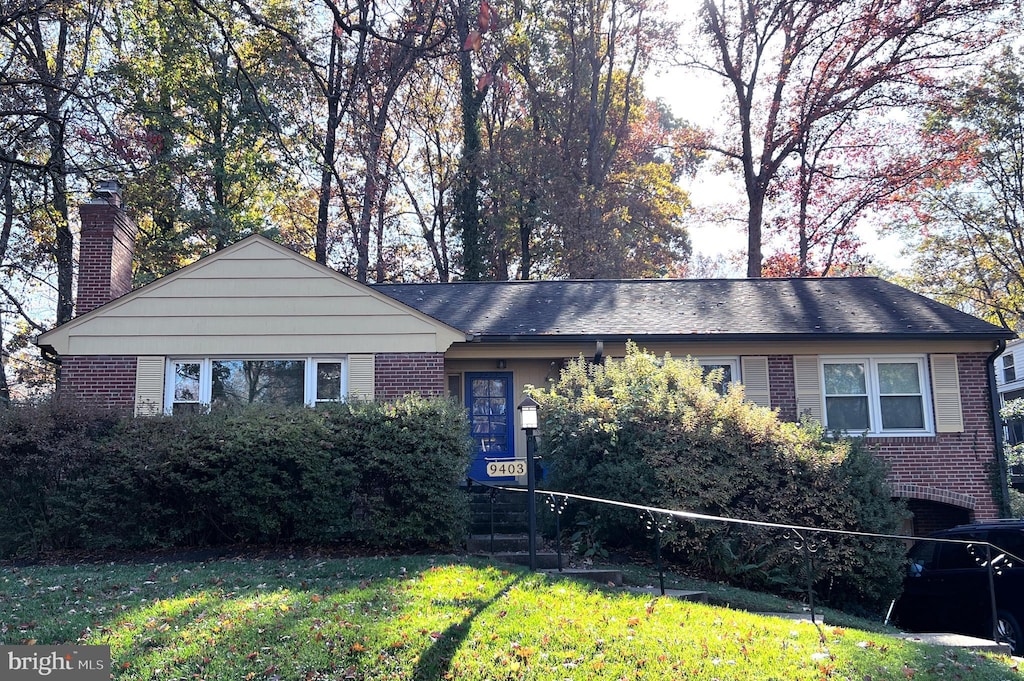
(258, 322)
(1010, 384)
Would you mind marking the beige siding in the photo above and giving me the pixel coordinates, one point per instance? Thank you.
(253, 298)
(949, 416)
(149, 386)
(756, 388)
(706, 348)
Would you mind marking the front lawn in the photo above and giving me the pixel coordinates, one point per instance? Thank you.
(426, 617)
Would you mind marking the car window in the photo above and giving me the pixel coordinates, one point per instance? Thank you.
(957, 556)
(922, 557)
(1008, 540)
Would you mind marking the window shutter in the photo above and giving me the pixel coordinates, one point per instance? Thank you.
(360, 377)
(754, 371)
(149, 386)
(949, 414)
(808, 387)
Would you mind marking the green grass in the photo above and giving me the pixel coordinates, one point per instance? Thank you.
(423, 618)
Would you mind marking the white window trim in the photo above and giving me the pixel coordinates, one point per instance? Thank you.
(732, 362)
(871, 363)
(206, 376)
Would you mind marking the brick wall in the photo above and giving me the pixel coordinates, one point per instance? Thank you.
(102, 380)
(782, 384)
(949, 468)
(105, 254)
(397, 374)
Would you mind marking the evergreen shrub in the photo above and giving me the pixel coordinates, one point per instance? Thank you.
(656, 431)
(383, 475)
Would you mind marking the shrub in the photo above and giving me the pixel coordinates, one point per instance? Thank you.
(655, 431)
(380, 474)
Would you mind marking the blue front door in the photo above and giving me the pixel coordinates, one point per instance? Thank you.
(489, 403)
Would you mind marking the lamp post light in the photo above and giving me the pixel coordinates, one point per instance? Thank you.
(528, 422)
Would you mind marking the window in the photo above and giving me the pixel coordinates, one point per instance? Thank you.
(729, 367)
(1009, 371)
(196, 385)
(875, 395)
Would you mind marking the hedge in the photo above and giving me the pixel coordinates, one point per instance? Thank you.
(655, 431)
(384, 475)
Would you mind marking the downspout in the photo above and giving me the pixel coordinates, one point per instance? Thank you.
(997, 424)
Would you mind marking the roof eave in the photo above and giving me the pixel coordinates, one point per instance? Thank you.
(731, 337)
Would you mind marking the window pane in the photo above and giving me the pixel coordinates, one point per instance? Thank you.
(328, 380)
(720, 386)
(847, 413)
(899, 379)
(242, 382)
(179, 408)
(902, 413)
(186, 381)
(845, 379)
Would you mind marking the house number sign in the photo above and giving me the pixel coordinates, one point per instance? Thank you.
(503, 468)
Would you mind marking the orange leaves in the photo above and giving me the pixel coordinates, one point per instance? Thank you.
(487, 20)
(474, 41)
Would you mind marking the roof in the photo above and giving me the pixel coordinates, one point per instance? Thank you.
(719, 309)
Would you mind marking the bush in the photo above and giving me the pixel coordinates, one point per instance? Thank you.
(379, 474)
(657, 432)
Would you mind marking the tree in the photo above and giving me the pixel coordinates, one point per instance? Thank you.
(800, 71)
(970, 219)
(200, 100)
(579, 165)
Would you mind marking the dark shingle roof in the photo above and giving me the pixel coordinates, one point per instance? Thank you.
(859, 307)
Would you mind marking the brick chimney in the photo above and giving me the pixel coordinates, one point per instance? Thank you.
(106, 248)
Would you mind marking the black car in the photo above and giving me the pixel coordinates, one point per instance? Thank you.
(946, 588)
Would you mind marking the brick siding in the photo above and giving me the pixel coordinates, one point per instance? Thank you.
(782, 383)
(949, 468)
(398, 374)
(102, 380)
(105, 255)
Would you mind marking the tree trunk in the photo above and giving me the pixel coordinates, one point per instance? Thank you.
(467, 200)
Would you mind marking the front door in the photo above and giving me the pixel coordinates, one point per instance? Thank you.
(489, 403)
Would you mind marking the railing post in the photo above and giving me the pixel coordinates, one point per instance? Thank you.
(992, 592)
(557, 507)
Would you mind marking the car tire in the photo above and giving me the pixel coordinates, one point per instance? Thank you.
(1009, 631)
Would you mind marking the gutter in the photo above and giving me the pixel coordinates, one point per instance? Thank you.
(997, 423)
(711, 337)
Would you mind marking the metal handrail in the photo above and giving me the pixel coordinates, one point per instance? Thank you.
(802, 532)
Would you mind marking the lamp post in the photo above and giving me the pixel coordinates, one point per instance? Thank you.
(528, 422)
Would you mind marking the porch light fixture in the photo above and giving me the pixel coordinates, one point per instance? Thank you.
(528, 422)
(528, 414)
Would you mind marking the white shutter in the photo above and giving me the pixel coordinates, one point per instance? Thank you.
(949, 414)
(808, 387)
(754, 372)
(149, 386)
(360, 377)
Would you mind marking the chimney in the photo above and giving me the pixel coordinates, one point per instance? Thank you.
(106, 248)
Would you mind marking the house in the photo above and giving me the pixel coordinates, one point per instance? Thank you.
(258, 322)
(1010, 386)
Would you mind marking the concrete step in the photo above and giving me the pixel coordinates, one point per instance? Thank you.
(606, 577)
(678, 594)
(546, 560)
(505, 543)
